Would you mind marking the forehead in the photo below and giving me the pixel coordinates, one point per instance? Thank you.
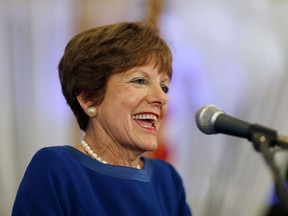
(149, 71)
(158, 61)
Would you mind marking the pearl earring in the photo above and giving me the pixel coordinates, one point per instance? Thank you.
(91, 112)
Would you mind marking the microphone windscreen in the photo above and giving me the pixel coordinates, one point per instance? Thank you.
(204, 118)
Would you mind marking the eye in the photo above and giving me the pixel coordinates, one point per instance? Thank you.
(140, 81)
(165, 89)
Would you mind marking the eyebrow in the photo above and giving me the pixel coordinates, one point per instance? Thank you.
(166, 79)
(147, 74)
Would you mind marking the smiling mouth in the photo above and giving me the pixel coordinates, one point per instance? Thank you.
(146, 121)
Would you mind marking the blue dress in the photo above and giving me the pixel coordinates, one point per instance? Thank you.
(61, 180)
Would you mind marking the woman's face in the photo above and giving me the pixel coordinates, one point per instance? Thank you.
(133, 108)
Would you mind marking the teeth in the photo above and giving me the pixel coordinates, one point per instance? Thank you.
(145, 116)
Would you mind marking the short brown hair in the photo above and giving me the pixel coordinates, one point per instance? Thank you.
(93, 55)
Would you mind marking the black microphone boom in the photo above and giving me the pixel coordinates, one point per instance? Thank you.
(210, 119)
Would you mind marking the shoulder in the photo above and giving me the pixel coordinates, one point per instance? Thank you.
(163, 165)
(51, 153)
(52, 150)
(43, 184)
(48, 154)
(163, 169)
(169, 182)
(50, 165)
(49, 158)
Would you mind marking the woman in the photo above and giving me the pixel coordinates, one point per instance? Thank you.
(115, 78)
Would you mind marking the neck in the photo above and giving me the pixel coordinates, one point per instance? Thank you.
(89, 150)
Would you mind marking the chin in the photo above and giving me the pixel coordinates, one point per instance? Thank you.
(150, 153)
(151, 147)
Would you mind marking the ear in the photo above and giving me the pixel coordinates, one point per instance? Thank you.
(83, 103)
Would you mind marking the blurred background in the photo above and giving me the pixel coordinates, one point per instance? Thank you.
(229, 53)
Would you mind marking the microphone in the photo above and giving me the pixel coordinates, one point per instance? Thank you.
(210, 119)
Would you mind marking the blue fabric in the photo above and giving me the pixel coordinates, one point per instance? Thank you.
(63, 181)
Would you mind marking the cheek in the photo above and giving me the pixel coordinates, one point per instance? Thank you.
(164, 111)
(128, 99)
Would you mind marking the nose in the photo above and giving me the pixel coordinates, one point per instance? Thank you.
(157, 96)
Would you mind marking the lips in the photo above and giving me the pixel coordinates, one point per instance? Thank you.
(146, 120)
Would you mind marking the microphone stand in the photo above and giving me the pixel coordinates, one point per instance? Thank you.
(262, 144)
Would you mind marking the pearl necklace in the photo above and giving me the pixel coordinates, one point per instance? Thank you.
(92, 154)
